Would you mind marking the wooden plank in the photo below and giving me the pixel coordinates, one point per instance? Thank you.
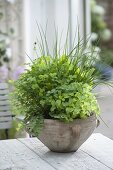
(4, 103)
(5, 125)
(16, 156)
(5, 119)
(3, 92)
(64, 161)
(101, 148)
(3, 97)
(4, 108)
(5, 113)
(3, 86)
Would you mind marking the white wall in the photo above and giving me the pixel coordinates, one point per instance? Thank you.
(59, 12)
(77, 18)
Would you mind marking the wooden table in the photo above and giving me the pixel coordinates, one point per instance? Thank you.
(30, 154)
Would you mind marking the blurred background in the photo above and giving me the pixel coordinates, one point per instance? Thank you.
(18, 32)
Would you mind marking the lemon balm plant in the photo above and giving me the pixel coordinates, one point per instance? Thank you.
(55, 95)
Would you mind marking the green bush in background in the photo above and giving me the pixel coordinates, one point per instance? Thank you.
(98, 24)
(106, 56)
(100, 32)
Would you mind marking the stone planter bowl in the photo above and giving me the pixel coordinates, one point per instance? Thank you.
(66, 137)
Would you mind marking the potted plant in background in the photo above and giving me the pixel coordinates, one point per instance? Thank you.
(55, 95)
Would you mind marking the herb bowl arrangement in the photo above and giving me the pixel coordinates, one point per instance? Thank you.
(55, 96)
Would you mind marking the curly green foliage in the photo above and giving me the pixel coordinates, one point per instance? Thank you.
(59, 88)
(70, 101)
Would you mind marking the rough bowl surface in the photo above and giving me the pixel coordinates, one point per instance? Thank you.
(66, 137)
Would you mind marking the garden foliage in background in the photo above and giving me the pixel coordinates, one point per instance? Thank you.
(99, 27)
(5, 50)
(100, 32)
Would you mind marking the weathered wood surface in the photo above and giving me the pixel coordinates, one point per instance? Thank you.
(2, 92)
(16, 156)
(5, 125)
(5, 115)
(30, 154)
(5, 118)
(4, 108)
(3, 97)
(100, 148)
(4, 102)
(3, 86)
